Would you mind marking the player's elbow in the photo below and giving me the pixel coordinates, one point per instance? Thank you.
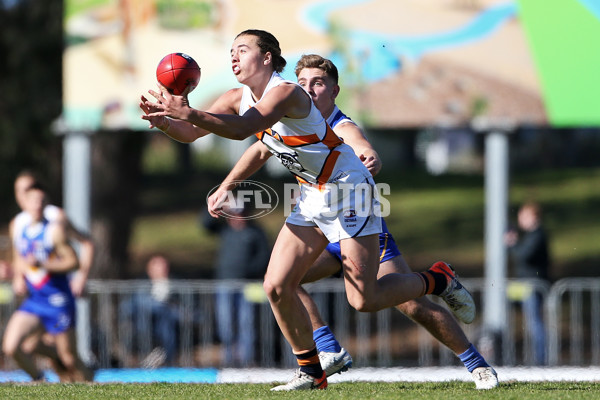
(73, 265)
(63, 266)
(88, 246)
(241, 134)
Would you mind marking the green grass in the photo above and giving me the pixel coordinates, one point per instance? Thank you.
(356, 390)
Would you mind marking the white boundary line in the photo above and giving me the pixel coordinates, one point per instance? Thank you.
(419, 374)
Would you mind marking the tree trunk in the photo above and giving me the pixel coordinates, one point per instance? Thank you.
(116, 174)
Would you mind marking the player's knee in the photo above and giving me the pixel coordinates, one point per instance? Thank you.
(278, 291)
(68, 361)
(9, 349)
(269, 288)
(361, 303)
(273, 290)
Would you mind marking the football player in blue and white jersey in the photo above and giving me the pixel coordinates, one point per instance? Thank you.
(319, 77)
(42, 258)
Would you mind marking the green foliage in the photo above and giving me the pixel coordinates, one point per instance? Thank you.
(432, 217)
(354, 390)
(74, 7)
(479, 106)
(352, 81)
(160, 155)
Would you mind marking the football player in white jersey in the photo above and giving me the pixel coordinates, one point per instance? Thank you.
(319, 77)
(282, 115)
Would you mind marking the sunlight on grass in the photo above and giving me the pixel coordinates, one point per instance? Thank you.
(354, 390)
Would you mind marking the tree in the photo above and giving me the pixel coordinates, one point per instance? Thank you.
(116, 177)
(31, 87)
(31, 44)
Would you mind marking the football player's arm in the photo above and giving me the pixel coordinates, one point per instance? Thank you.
(180, 130)
(86, 254)
(18, 264)
(355, 138)
(65, 258)
(284, 100)
(251, 161)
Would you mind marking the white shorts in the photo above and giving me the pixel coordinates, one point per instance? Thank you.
(340, 210)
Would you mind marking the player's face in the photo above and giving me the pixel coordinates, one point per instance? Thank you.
(246, 58)
(21, 185)
(35, 201)
(320, 86)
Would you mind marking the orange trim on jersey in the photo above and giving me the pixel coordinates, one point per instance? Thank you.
(325, 172)
(300, 140)
(331, 140)
(302, 181)
(260, 135)
(328, 166)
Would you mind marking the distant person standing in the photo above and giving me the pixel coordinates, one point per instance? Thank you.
(531, 259)
(155, 314)
(243, 255)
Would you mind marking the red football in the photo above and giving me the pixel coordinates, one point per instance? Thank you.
(176, 71)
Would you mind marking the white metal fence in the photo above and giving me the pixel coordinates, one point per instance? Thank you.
(117, 328)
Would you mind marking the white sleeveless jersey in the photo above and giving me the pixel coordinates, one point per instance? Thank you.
(307, 147)
(35, 238)
(23, 219)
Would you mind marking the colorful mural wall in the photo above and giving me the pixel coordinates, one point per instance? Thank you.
(403, 63)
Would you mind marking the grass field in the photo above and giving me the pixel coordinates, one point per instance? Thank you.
(361, 390)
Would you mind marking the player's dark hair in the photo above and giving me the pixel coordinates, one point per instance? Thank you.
(267, 44)
(36, 185)
(28, 173)
(316, 61)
